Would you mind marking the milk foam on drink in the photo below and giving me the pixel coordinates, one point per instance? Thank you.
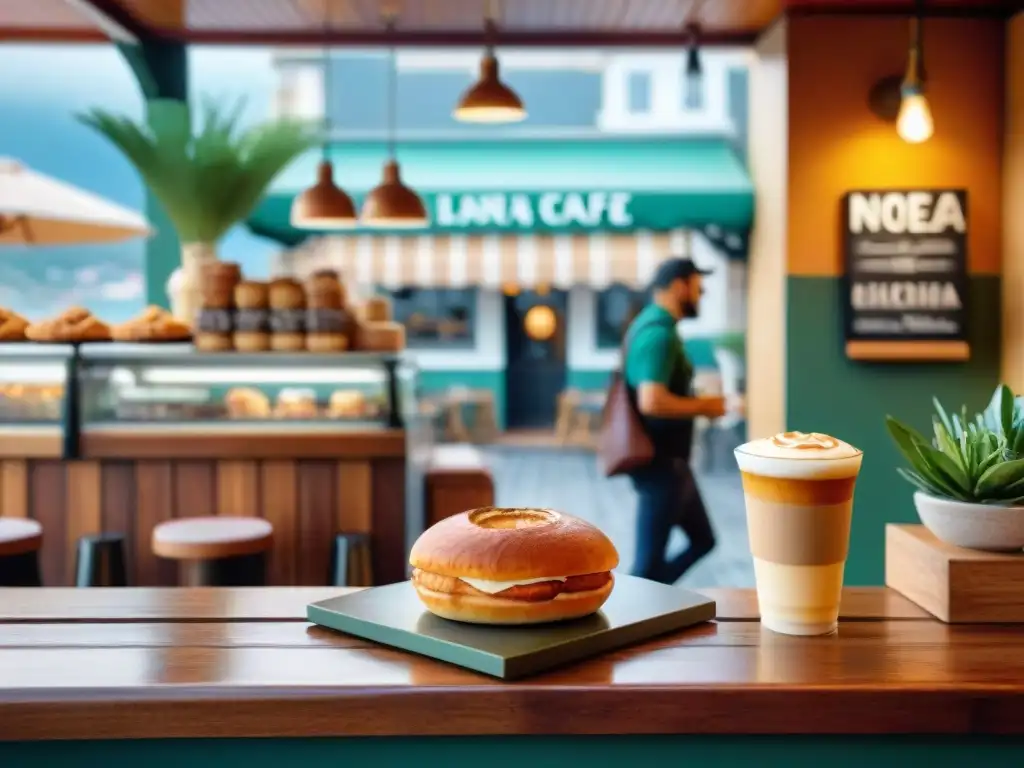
(798, 488)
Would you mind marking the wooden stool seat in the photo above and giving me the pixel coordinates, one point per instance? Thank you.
(19, 535)
(212, 538)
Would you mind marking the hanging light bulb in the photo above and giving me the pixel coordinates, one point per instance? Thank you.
(391, 204)
(324, 205)
(489, 100)
(694, 70)
(914, 123)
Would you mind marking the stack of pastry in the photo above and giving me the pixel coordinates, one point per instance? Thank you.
(246, 403)
(215, 322)
(153, 324)
(328, 325)
(346, 404)
(296, 404)
(287, 315)
(74, 325)
(252, 317)
(377, 332)
(12, 325)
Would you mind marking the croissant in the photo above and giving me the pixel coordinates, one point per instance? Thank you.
(152, 324)
(12, 326)
(75, 324)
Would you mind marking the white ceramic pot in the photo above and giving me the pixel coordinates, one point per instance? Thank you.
(975, 526)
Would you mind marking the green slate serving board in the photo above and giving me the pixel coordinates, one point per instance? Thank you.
(637, 610)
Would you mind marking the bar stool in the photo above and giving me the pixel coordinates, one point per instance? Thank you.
(20, 541)
(100, 561)
(216, 551)
(351, 564)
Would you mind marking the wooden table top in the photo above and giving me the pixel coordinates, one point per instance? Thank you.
(137, 663)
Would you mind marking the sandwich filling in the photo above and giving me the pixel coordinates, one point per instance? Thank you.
(528, 590)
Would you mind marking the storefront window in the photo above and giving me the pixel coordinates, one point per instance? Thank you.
(436, 317)
(616, 308)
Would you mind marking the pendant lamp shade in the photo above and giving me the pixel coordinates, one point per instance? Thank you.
(324, 205)
(392, 205)
(489, 100)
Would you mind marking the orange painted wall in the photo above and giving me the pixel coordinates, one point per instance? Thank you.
(837, 144)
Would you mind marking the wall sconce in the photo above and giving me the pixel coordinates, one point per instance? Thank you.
(903, 99)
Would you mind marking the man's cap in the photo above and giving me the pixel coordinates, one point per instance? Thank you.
(675, 268)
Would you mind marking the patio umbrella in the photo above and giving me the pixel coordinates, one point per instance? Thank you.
(38, 210)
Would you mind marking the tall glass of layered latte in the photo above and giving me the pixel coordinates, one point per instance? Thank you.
(798, 489)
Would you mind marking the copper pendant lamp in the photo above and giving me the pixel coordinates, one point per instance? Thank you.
(391, 204)
(324, 205)
(489, 100)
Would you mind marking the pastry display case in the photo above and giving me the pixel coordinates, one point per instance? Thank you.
(32, 384)
(170, 385)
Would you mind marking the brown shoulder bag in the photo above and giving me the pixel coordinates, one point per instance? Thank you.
(623, 444)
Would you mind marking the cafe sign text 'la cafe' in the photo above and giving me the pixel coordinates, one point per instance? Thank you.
(534, 210)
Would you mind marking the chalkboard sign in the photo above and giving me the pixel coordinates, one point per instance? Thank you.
(905, 289)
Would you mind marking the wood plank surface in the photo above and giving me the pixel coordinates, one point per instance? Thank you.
(195, 488)
(155, 503)
(289, 604)
(355, 497)
(47, 484)
(83, 507)
(390, 556)
(238, 488)
(159, 443)
(117, 484)
(195, 663)
(14, 487)
(280, 506)
(318, 504)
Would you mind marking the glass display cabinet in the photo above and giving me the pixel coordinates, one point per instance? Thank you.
(33, 381)
(174, 385)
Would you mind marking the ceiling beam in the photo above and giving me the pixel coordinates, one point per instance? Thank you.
(111, 17)
(611, 38)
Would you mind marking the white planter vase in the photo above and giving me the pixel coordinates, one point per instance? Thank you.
(185, 288)
(975, 526)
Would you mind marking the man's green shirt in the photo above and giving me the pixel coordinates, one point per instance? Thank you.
(655, 354)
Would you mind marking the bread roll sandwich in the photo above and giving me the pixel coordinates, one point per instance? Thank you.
(513, 566)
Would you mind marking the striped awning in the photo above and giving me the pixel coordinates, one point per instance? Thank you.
(489, 261)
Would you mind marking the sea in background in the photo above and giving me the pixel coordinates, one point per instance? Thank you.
(53, 84)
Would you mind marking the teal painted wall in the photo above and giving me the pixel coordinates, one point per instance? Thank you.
(826, 392)
(535, 751)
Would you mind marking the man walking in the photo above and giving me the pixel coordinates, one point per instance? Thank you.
(659, 380)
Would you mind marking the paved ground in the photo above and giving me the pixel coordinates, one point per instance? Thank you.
(569, 480)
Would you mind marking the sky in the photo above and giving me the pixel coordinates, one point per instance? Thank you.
(39, 129)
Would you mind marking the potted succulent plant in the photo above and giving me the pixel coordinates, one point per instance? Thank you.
(207, 179)
(970, 476)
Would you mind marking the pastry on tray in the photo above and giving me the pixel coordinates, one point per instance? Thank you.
(286, 293)
(296, 404)
(251, 341)
(12, 326)
(247, 403)
(288, 342)
(73, 325)
(326, 342)
(346, 404)
(153, 324)
(213, 342)
(251, 294)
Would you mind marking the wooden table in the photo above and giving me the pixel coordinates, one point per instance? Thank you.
(229, 664)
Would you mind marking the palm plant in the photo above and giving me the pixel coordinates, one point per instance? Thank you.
(977, 460)
(207, 180)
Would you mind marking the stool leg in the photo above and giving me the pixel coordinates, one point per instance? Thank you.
(20, 570)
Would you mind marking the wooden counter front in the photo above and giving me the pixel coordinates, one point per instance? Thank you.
(309, 485)
(133, 663)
